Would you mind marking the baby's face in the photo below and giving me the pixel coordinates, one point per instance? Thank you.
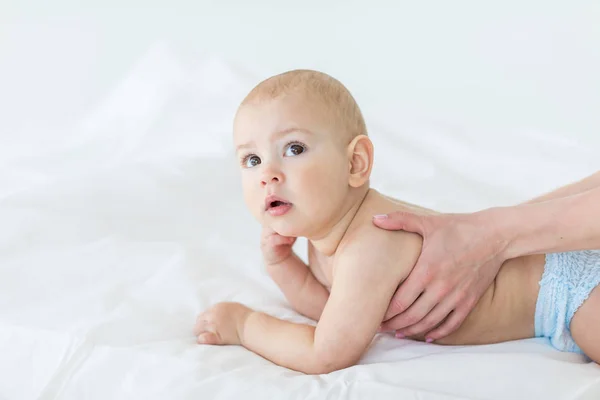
(295, 167)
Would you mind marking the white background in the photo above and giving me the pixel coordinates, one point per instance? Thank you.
(510, 64)
(121, 218)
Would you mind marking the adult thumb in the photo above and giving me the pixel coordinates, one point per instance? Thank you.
(400, 220)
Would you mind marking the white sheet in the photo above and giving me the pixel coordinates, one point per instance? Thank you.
(115, 236)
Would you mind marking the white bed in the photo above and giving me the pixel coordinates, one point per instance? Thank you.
(116, 233)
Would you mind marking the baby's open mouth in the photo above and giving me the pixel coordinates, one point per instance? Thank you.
(276, 206)
(278, 203)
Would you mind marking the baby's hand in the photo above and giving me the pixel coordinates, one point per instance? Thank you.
(275, 248)
(221, 324)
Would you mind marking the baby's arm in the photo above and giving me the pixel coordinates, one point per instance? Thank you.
(293, 277)
(300, 287)
(361, 291)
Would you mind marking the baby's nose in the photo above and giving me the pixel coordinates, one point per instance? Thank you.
(271, 176)
(272, 179)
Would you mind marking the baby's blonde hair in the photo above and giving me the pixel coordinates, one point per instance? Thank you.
(330, 92)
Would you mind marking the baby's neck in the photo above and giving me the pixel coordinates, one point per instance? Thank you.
(328, 242)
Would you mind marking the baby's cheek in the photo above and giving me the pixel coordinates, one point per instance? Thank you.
(323, 197)
(318, 176)
(251, 201)
(329, 185)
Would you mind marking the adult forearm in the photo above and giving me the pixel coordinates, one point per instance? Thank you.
(583, 185)
(566, 223)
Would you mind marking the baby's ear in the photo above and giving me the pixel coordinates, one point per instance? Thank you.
(360, 156)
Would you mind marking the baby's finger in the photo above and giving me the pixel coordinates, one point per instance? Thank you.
(278, 240)
(204, 323)
(207, 338)
(199, 326)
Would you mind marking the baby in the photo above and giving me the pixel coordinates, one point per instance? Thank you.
(306, 159)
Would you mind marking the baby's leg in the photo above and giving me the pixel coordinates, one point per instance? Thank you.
(585, 326)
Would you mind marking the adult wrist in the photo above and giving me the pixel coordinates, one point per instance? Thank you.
(505, 223)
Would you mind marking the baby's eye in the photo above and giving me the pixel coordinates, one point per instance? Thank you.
(294, 149)
(251, 161)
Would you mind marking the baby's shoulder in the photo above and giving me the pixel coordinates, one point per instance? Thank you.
(366, 243)
(370, 242)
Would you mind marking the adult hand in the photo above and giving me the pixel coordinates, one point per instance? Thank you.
(460, 257)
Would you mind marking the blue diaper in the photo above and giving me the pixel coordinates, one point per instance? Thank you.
(567, 282)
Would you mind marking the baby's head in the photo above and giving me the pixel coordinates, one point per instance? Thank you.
(302, 145)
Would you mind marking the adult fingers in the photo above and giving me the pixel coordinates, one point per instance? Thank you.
(405, 295)
(414, 314)
(433, 318)
(409, 290)
(400, 220)
(454, 320)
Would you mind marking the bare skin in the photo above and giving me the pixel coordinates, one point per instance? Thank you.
(566, 219)
(504, 312)
(305, 173)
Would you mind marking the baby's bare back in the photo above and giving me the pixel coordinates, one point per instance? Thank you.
(504, 312)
